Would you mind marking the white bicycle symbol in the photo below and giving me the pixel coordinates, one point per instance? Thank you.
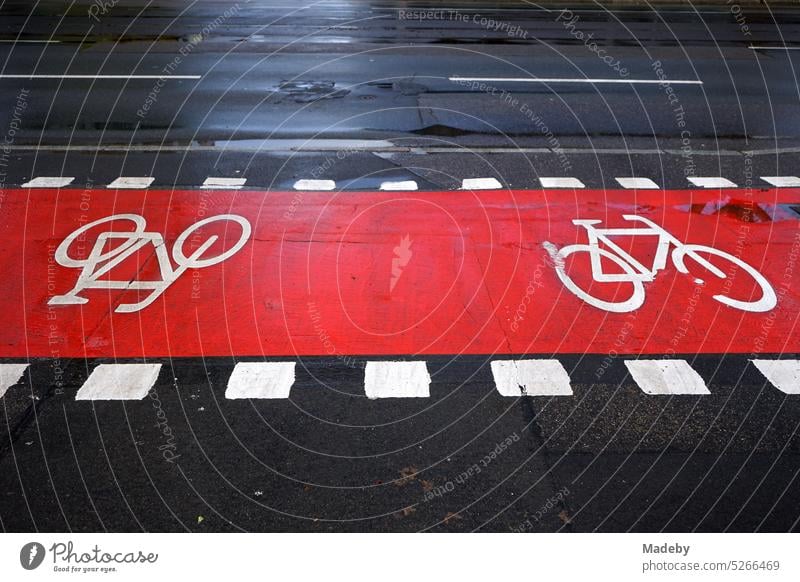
(100, 260)
(637, 274)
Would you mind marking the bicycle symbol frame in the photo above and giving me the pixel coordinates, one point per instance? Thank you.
(101, 261)
(637, 274)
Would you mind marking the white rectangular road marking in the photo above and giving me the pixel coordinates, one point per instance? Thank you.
(321, 185)
(637, 183)
(574, 80)
(48, 182)
(131, 182)
(10, 374)
(119, 382)
(561, 183)
(782, 181)
(404, 186)
(397, 380)
(480, 184)
(260, 380)
(99, 77)
(666, 377)
(712, 182)
(224, 183)
(774, 48)
(783, 374)
(531, 378)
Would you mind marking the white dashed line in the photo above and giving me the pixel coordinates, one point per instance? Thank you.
(131, 182)
(666, 377)
(480, 184)
(119, 382)
(637, 183)
(561, 183)
(10, 374)
(397, 380)
(407, 185)
(783, 374)
(260, 380)
(615, 81)
(320, 185)
(531, 378)
(782, 181)
(774, 48)
(99, 77)
(224, 183)
(48, 182)
(712, 182)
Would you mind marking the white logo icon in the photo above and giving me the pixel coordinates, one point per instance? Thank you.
(637, 274)
(104, 257)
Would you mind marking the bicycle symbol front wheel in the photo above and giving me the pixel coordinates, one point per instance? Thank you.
(559, 259)
(768, 298)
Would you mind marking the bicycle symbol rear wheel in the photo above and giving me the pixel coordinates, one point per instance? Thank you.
(632, 303)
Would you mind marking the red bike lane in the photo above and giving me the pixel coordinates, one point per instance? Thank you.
(282, 274)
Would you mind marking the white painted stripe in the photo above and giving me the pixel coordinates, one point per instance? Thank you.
(315, 185)
(613, 80)
(782, 181)
(774, 48)
(712, 182)
(406, 185)
(48, 182)
(531, 378)
(783, 374)
(637, 183)
(10, 374)
(224, 183)
(119, 382)
(14, 41)
(666, 377)
(561, 183)
(131, 182)
(480, 184)
(396, 380)
(130, 77)
(260, 380)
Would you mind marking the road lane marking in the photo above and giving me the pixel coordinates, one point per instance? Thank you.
(711, 182)
(561, 183)
(48, 182)
(774, 48)
(10, 374)
(14, 41)
(666, 377)
(260, 380)
(637, 183)
(318, 185)
(480, 184)
(396, 380)
(615, 81)
(782, 181)
(224, 183)
(403, 186)
(131, 182)
(101, 77)
(119, 382)
(783, 374)
(531, 378)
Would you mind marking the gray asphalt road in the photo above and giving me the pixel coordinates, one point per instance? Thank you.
(361, 93)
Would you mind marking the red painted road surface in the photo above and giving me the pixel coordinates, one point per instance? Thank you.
(388, 273)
